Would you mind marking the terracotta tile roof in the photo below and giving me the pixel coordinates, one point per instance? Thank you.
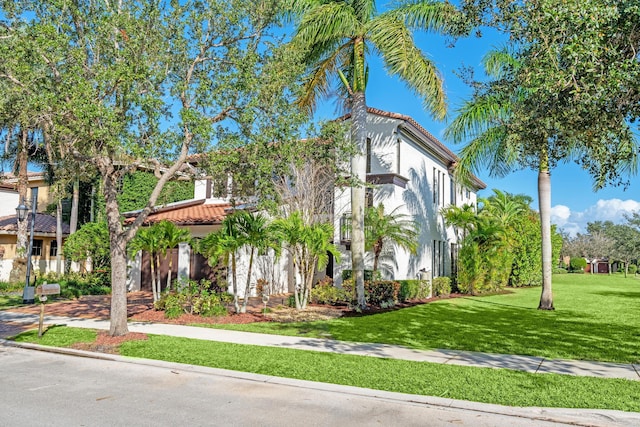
(187, 213)
(45, 224)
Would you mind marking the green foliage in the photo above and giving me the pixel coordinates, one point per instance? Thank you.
(560, 270)
(137, 187)
(347, 274)
(379, 293)
(75, 285)
(413, 289)
(441, 286)
(577, 264)
(633, 269)
(193, 298)
(91, 241)
(325, 293)
(10, 287)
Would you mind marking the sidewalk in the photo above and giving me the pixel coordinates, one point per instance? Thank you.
(452, 357)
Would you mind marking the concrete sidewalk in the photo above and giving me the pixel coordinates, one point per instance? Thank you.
(452, 357)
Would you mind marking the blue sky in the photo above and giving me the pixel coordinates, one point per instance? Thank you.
(573, 201)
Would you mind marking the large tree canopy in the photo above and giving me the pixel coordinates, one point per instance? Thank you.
(115, 86)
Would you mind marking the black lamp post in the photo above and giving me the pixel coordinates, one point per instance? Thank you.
(28, 293)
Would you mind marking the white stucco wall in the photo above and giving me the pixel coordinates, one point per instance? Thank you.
(395, 150)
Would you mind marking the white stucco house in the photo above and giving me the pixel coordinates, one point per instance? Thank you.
(408, 169)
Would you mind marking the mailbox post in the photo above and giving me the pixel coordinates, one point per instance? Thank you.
(42, 291)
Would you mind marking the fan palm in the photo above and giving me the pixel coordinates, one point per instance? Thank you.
(148, 239)
(337, 36)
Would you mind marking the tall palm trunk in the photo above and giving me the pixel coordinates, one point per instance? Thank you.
(359, 172)
(544, 200)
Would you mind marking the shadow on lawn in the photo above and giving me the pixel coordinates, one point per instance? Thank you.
(476, 325)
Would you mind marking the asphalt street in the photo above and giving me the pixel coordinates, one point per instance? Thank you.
(48, 389)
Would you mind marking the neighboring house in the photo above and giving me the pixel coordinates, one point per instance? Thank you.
(44, 236)
(45, 247)
(407, 168)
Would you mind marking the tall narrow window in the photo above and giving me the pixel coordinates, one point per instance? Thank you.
(368, 155)
(452, 188)
(398, 157)
(436, 187)
(369, 197)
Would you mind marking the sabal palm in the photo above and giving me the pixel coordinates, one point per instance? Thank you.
(337, 36)
(391, 228)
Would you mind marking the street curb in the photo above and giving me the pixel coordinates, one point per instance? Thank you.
(577, 417)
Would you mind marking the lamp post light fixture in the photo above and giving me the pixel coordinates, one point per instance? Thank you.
(28, 293)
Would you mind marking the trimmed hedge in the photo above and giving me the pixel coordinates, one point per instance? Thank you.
(413, 289)
(442, 286)
(381, 293)
(347, 275)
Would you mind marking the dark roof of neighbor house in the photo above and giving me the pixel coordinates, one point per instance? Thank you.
(45, 224)
(420, 132)
(190, 212)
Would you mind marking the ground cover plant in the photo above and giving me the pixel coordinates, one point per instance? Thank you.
(499, 386)
(10, 300)
(596, 318)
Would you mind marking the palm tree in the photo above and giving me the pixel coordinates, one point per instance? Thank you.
(222, 246)
(148, 239)
(256, 234)
(336, 36)
(388, 229)
(485, 121)
(309, 247)
(171, 236)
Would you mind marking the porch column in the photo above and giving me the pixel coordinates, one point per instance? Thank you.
(184, 262)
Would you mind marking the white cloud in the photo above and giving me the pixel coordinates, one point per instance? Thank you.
(604, 210)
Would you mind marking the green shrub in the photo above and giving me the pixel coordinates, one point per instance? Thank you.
(442, 286)
(75, 285)
(577, 264)
(381, 293)
(633, 269)
(291, 301)
(11, 287)
(346, 275)
(413, 289)
(559, 270)
(193, 298)
(326, 293)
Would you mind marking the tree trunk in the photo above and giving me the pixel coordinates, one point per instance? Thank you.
(75, 198)
(118, 316)
(247, 287)
(19, 267)
(236, 304)
(59, 237)
(544, 200)
(359, 173)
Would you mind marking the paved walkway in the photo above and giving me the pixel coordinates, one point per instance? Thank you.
(453, 357)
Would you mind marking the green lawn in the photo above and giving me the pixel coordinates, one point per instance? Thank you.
(499, 386)
(8, 301)
(597, 317)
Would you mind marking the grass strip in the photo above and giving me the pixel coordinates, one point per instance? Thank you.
(499, 386)
(595, 319)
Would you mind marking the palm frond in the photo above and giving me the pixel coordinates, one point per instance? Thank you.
(436, 16)
(392, 39)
